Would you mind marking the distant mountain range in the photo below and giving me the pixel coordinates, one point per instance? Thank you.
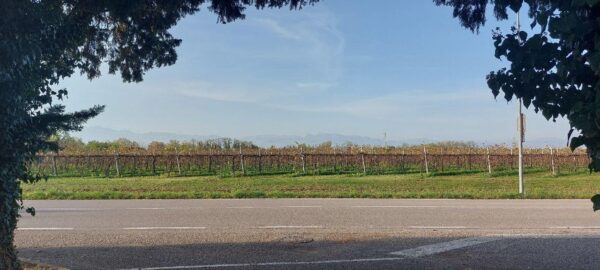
(107, 134)
(315, 139)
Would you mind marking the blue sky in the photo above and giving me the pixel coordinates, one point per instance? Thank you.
(402, 67)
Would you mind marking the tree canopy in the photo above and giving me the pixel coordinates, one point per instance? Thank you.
(556, 69)
(45, 41)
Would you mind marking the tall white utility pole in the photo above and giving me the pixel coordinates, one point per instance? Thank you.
(520, 128)
(521, 132)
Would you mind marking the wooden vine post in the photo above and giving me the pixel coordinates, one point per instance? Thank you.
(489, 163)
(259, 161)
(511, 159)
(362, 157)
(89, 164)
(303, 160)
(334, 160)
(54, 170)
(210, 159)
(135, 163)
(117, 163)
(153, 163)
(425, 158)
(402, 161)
(233, 164)
(552, 161)
(242, 160)
(442, 158)
(177, 161)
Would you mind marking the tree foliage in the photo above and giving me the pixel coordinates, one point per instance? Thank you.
(68, 145)
(45, 41)
(556, 69)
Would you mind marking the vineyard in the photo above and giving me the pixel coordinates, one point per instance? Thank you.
(289, 160)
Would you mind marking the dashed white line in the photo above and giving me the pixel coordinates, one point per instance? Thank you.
(234, 265)
(289, 227)
(146, 208)
(442, 227)
(463, 207)
(73, 209)
(45, 229)
(164, 228)
(575, 227)
(303, 206)
(443, 247)
(401, 206)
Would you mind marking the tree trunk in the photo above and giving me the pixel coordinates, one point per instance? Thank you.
(9, 211)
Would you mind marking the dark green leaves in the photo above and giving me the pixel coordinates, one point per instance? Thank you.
(577, 142)
(43, 42)
(30, 210)
(557, 70)
(515, 5)
(470, 13)
(596, 200)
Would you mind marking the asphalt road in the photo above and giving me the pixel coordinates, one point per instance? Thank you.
(312, 234)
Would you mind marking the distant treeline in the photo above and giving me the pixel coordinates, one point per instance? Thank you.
(69, 145)
(72, 145)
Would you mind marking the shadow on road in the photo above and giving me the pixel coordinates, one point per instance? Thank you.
(298, 252)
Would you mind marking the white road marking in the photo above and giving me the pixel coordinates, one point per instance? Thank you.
(164, 228)
(44, 229)
(465, 207)
(232, 265)
(575, 227)
(146, 208)
(443, 247)
(289, 227)
(401, 206)
(442, 227)
(271, 207)
(72, 209)
(544, 235)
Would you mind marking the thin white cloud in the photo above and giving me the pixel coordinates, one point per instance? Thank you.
(315, 85)
(211, 91)
(315, 40)
(276, 27)
(413, 103)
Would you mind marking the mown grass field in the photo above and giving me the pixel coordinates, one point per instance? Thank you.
(472, 185)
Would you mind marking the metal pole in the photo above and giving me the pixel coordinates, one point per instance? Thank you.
(520, 144)
(520, 129)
